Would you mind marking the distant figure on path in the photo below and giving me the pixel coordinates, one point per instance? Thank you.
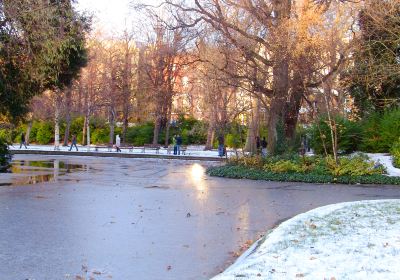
(117, 143)
(264, 145)
(23, 141)
(221, 145)
(258, 145)
(73, 142)
(174, 143)
(178, 144)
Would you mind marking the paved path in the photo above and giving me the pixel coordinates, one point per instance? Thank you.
(143, 218)
(192, 152)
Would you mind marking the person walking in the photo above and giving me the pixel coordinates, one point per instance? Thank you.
(117, 143)
(258, 145)
(264, 145)
(178, 144)
(174, 143)
(23, 141)
(73, 142)
(221, 145)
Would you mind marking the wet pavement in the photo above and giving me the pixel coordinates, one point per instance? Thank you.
(118, 218)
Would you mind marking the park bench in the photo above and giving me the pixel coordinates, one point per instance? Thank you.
(170, 149)
(127, 147)
(156, 147)
(183, 150)
(97, 147)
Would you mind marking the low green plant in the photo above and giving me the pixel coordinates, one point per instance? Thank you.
(349, 134)
(5, 156)
(395, 151)
(239, 172)
(45, 133)
(357, 165)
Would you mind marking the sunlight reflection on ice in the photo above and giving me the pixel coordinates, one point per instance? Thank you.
(197, 176)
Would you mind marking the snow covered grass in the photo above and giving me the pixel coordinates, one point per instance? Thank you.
(353, 240)
(387, 161)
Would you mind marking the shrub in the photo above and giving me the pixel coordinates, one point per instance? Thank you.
(249, 161)
(395, 151)
(380, 131)
(140, 134)
(5, 156)
(349, 134)
(240, 172)
(357, 165)
(390, 128)
(45, 133)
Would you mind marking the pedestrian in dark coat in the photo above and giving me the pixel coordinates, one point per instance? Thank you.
(73, 143)
(23, 141)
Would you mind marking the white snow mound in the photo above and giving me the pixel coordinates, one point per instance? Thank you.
(352, 240)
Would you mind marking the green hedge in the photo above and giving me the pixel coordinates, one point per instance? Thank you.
(242, 172)
(349, 135)
(380, 131)
(395, 151)
(5, 156)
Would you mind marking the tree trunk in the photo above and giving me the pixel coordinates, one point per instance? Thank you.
(210, 137)
(168, 126)
(112, 127)
(157, 128)
(293, 107)
(280, 71)
(254, 127)
(124, 129)
(67, 115)
(58, 100)
(84, 132)
(28, 132)
(88, 133)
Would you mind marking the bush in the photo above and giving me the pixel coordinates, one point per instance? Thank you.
(395, 151)
(5, 156)
(45, 133)
(140, 134)
(356, 165)
(240, 172)
(349, 134)
(380, 131)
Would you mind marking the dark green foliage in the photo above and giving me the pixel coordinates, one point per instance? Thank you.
(374, 79)
(395, 151)
(380, 131)
(349, 135)
(281, 142)
(5, 156)
(42, 46)
(140, 134)
(241, 172)
(45, 133)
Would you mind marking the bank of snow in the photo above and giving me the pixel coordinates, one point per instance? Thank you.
(353, 240)
(387, 161)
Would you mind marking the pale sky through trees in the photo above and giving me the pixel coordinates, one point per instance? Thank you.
(112, 16)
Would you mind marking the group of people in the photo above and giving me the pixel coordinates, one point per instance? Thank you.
(177, 143)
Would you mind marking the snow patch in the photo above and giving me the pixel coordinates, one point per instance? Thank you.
(352, 240)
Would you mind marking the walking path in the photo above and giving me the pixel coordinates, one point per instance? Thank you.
(192, 153)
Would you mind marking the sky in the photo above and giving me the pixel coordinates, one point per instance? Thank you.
(112, 16)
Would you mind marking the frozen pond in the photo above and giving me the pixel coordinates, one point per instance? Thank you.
(140, 218)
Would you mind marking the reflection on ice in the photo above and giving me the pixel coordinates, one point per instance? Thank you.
(197, 176)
